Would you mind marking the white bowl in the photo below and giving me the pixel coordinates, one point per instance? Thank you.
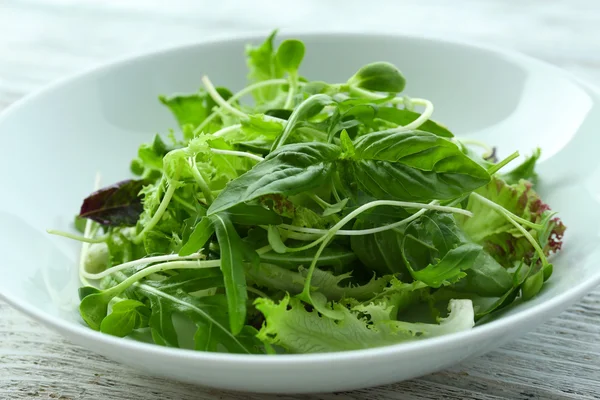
(54, 142)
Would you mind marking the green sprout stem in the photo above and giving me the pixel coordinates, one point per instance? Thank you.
(292, 90)
(325, 239)
(331, 232)
(200, 181)
(504, 211)
(238, 154)
(79, 238)
(496, 167)
(247, 90)
(291, 122)
(141, 261)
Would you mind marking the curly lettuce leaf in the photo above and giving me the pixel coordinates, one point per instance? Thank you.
(290, 325)
(498, 236)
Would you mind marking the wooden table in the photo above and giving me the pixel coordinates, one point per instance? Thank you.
(41, 40)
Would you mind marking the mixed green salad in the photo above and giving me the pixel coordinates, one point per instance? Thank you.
(318, 217)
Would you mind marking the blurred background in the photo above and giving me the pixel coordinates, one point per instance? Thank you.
(41, 40)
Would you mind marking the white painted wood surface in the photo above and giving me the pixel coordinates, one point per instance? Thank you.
(42, 40)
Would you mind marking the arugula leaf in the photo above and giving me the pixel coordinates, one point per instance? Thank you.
(327, 284)
(115, 205)
(198, 238)
(450, 268)
(289, 170)
(436, 252)
(424, 165)
(232, 258)
(255, 214)
(126, 316)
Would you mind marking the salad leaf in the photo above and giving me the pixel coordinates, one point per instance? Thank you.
(290, 54)
(115, 205)
(198, 238)
(526, 170)
(290, 325)
(380, 251)
(429, 167)
(495, 232)
(263, 65)
(289, 170)
(126, 316)
(232, 258)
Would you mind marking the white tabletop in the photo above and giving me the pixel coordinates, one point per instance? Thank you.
(42, 40)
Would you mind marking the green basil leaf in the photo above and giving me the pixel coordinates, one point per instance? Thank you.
(421, 165)
(289, 170)
(190, 280)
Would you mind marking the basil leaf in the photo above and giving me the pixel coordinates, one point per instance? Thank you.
(289, 170)
(412, 166)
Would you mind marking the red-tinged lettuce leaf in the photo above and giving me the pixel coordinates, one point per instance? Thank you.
(115, 205)
(497, 235)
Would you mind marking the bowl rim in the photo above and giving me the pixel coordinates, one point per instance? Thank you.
(567, 297)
